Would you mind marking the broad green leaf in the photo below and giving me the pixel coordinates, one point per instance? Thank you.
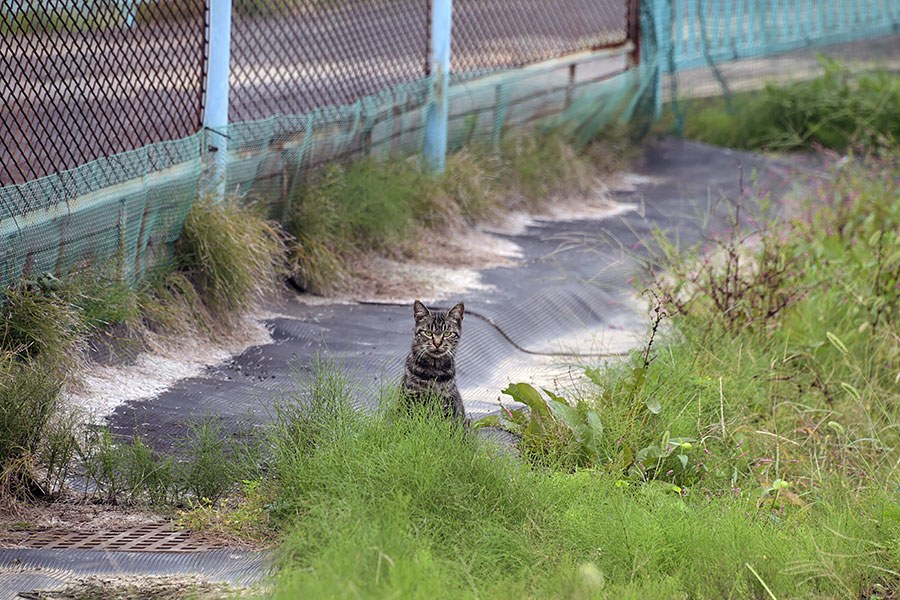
(530, 397)
(554, 396)
(651, 452)
(595, 376)
(638, 376)
(596, 425)
(626, 457)
(681, 440)
(684, 460)
(488, 421)
(653, 405)
(565, 413)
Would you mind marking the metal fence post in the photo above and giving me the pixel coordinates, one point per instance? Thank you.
(438, 109)
(215, 109)
(662, 14)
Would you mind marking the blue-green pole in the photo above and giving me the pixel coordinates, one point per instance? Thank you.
(215, 110)
(438, 110)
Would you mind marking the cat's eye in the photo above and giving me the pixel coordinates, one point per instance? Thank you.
(451, 334)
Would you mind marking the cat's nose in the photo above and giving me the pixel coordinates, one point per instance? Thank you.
(437, 341)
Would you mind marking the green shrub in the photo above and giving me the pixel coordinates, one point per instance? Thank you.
(837, 110)
(29, 403)
(38, 324)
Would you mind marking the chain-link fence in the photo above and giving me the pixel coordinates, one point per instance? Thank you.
(488, 36)
(726, 47)
(103, 101)
(298, 55)
(88, 79)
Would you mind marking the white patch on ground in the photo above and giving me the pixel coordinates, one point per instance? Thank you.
(610, 340)
(560, 372)
(498, 246)
(448, 267)
(629, 182)
(595, 207)
(101, 388)
(514, 223)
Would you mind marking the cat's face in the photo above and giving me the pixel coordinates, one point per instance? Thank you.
(437, 333)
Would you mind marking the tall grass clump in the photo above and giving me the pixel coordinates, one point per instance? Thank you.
(837, 110)
(231, 254)
(345, 212)
(40, 336)
(540, 167)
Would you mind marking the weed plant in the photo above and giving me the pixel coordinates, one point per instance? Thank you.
(230, 254)
(207, 464)
(778, 377)
(837, 110)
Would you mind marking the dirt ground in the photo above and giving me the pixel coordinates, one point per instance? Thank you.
(139, 588)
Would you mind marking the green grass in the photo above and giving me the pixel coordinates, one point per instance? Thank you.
(232, 255)
(751, 451)
(837, 110)
(347, 211)
(226, 260)
(379, 507)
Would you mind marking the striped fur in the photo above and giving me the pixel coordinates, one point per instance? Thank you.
(430, 375)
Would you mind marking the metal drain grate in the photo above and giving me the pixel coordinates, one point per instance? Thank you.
(152, 537)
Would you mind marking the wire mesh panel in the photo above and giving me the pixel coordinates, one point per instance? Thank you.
(711, 31)
(88, 79)
(492, 34)
(292, 56)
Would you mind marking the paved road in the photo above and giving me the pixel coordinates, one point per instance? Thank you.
(568, 286)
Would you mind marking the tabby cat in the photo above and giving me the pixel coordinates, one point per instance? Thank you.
(430, 376)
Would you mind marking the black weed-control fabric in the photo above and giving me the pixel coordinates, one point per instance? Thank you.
(574, 280)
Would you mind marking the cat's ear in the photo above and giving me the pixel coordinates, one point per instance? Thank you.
(420, 311)
(456, 313)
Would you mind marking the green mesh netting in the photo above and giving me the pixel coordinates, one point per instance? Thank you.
(722, 47)
(123, 212)
(127, 210)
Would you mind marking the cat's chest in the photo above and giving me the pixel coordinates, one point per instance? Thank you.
(430, 372)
